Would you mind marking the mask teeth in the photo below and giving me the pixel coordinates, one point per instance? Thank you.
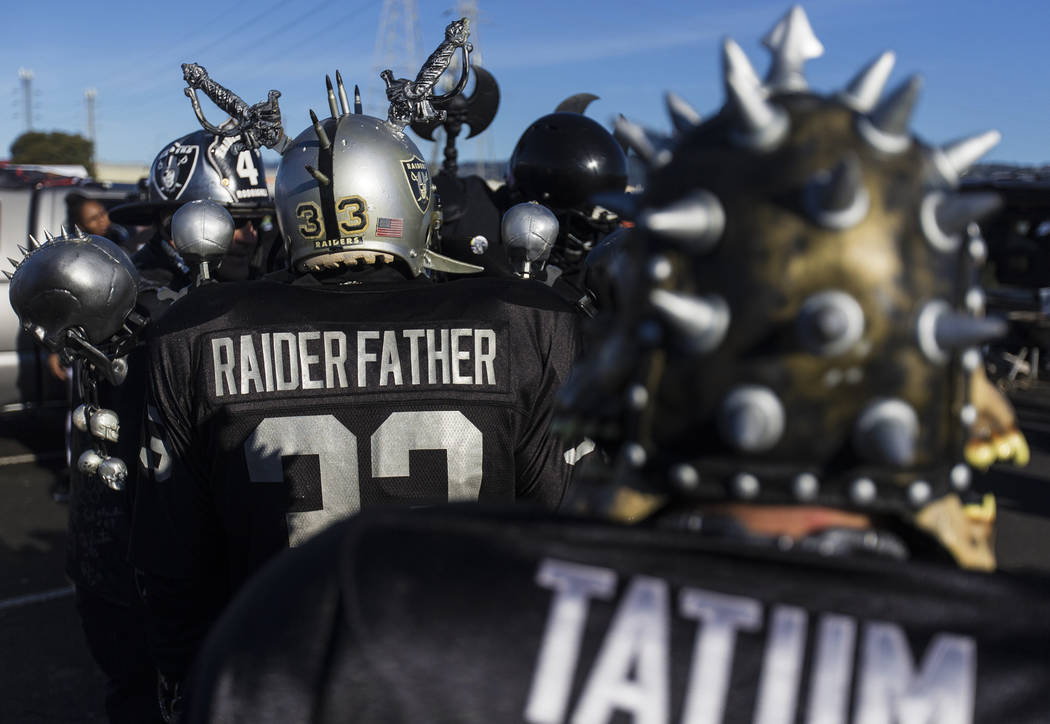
(863, 92)
(792, 42)
(331, 97)
(322, 137)
(344, 104)
(683, 116)
(358, 107)
(321, 178)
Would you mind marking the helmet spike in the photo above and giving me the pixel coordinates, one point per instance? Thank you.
(735, 63)
(762, 125)
(696, 222)
(14, 262)
(321, 178)
(955, 158)
(80, 232)
(886, 127)
(792, 42)
(634, 136)
(862, 93)
(838, 199)
(954, 330)
(887, 432)
(48, 236)
(331, 97)
(25, 251)
(344, 104)
(701, 321)
(956, 211)
(322, 137)
(358, 107)
(683, 116)
(33, 243)
(65, 231)
(8, 275)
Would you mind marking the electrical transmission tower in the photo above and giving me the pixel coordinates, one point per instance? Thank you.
(26, 77)
(398, 46)
(89, 105)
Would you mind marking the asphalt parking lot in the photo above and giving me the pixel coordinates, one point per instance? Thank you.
(47, 676)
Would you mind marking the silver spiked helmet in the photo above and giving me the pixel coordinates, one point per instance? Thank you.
(352, 189)
(794, 313)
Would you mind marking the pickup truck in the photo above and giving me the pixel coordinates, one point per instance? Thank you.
(29, 206)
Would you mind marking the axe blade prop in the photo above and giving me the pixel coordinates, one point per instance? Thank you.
(476, 110)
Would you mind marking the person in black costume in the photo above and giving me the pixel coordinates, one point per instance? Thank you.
(784, 390)
(560, 161)
(281, 405)
(99, 520)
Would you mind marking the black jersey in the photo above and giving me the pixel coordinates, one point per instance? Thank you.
(455, 615)
(277, 409)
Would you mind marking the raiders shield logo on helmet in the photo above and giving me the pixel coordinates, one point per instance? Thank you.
(173, 170)
(418, 181)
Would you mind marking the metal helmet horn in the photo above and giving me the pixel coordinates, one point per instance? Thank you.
(354, 189)
(793, 324)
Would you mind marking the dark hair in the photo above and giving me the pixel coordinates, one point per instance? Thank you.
(74, 203)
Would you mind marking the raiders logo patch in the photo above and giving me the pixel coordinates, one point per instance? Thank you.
(173, 170)
(418, 181)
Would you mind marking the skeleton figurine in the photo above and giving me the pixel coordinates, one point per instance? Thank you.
(76, 293)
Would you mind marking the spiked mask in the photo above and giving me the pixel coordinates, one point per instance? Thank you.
(797, 321)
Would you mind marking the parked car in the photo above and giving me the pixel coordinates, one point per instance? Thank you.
(28, 205)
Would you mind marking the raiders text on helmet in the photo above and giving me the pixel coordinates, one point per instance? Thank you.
(791, 322)
(355, 189)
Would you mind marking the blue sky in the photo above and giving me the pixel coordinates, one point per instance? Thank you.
(986, 64)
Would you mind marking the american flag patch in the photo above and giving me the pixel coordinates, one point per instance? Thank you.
(389, 227)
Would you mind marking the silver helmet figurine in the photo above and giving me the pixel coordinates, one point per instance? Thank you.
(529, 231)
(202, 231)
